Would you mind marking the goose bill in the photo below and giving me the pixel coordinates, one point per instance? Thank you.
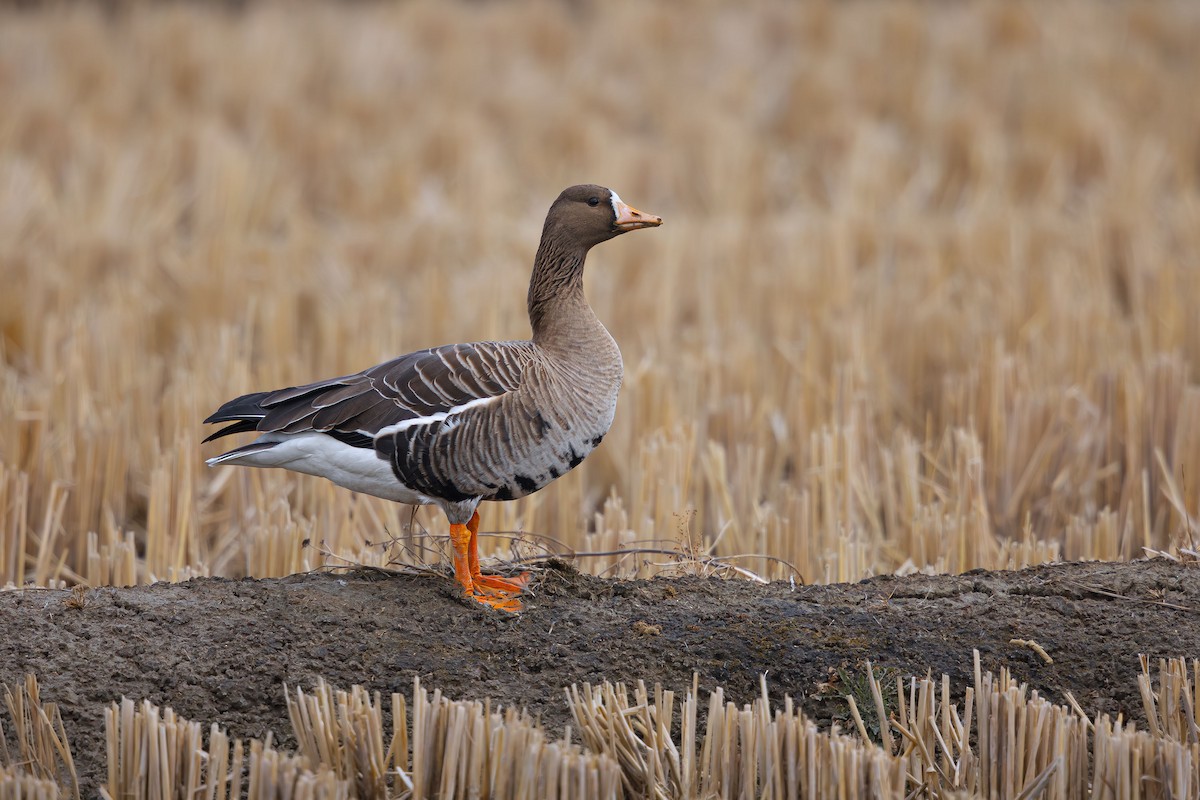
(630, 219)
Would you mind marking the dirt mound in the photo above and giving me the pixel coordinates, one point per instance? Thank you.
(219, 650)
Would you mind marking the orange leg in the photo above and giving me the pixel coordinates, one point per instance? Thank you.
(516, 584)
(466, 568)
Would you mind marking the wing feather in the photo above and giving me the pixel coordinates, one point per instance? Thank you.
(419, 384)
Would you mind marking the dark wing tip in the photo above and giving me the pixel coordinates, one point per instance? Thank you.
(241, 426)
(246, 407)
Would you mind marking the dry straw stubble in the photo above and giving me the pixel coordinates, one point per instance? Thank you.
(1002, 741)
(924, 298)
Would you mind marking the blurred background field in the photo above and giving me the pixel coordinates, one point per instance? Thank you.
(926, 295)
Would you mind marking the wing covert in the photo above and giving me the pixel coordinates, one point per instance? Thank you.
(416, 385)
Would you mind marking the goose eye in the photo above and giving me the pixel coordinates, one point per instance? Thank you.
(593, 201)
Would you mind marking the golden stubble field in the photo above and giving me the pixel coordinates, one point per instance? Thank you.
(926, 296)
(925, 300)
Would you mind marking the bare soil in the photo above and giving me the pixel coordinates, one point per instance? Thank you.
(220, 650)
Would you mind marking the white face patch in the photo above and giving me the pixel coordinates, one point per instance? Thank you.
(615, 201)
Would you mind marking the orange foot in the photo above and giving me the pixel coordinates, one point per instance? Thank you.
(490, 590)
(495, 582)
(508, 603)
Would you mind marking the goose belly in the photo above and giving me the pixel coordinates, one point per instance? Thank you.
(498, 449)
(539, 468)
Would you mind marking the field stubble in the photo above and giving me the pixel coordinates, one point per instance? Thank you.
(925, 298)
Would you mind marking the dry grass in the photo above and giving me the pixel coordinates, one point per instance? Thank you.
(153, 754)
(39, 763)
(925, 298)
(748, 752)
(1004, 741)
(1174, 711)
(16, 784)
(451, 749)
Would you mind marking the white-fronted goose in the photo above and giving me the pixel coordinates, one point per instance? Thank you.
(454, 425)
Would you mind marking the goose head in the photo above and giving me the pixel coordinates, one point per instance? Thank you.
(590, 214)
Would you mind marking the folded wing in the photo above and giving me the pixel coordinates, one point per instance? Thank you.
(355, 408)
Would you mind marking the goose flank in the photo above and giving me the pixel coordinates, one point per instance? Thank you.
(452, 426)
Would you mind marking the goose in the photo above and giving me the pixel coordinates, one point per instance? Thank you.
(455, 425)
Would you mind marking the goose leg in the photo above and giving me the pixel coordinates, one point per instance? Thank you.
(465, 555)
(515, 585)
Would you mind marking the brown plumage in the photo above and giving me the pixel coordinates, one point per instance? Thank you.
(454, 425)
